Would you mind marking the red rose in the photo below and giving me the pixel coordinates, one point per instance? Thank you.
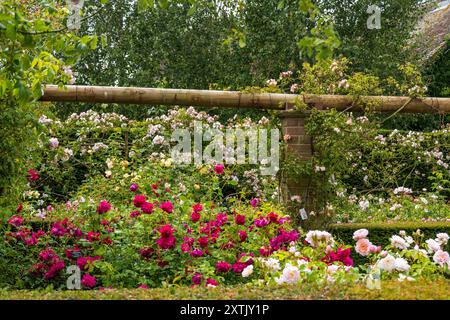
(239, 219)
(138, 200)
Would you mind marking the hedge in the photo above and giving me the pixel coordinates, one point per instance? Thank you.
(379, 233)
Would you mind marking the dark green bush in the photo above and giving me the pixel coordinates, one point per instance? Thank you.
(380, 233)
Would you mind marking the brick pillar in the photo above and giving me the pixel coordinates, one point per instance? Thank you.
(300, 145)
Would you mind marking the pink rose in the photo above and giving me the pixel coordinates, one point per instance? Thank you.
(360, 234)
(363, 247)
(219, 168)
(441, 257)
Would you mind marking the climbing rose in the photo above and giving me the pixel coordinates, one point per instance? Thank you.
(239, 219)
(223, 266)
(143, 286)
(103, 207)
(138, 200)
(88, 281)
(147, 207)
(219, 168)
(19, 208)
(134, 187)
(166, 206)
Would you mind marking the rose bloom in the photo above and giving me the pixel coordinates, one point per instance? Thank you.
(166, 206)
(401, 265)
(219, 168)
(290, 274)
(239, 219)
(363, 247)
(360, 234)
(387, 263)
(32, 175)
(197, 278)
(134, 214)
(197, 207)
(15, 221)
(54, 143)
(134, 187)
(211, 283)
(138, 200)
(247, 271)
(203, 242)
(242, 235)
(147, 207)
(223, 266)
(88, 281)
(195, 216)
(433, 245)
(103, 207)
(441, 257)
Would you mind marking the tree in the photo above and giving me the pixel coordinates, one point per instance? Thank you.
(36, 48)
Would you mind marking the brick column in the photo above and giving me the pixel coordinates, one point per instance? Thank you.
(300, 145)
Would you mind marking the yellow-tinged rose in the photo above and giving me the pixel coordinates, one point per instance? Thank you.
(168, 163)
(204, 170)
(196, 187)
(117, 189)
(124, 163)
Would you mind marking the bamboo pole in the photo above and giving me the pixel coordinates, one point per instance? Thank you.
(234, 99)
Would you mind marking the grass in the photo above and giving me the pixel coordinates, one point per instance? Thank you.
(390, 290)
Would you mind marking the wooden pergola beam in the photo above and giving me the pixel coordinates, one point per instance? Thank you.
(234, 99)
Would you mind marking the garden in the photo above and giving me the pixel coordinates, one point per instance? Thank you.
(95, 203)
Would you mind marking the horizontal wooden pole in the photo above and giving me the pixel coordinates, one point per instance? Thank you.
(234, 99)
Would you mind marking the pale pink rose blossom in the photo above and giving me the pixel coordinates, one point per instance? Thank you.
(363, 247)
(441, 257)
(360, 234)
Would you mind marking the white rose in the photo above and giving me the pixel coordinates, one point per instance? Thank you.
(387, 263)
(247, 271)
(401, 265)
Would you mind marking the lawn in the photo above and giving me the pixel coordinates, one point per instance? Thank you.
(390, 290)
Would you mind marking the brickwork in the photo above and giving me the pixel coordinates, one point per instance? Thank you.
(299, 144)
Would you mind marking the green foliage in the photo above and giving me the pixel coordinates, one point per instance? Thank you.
(35, 49)
(376, 51)
(438, 71)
